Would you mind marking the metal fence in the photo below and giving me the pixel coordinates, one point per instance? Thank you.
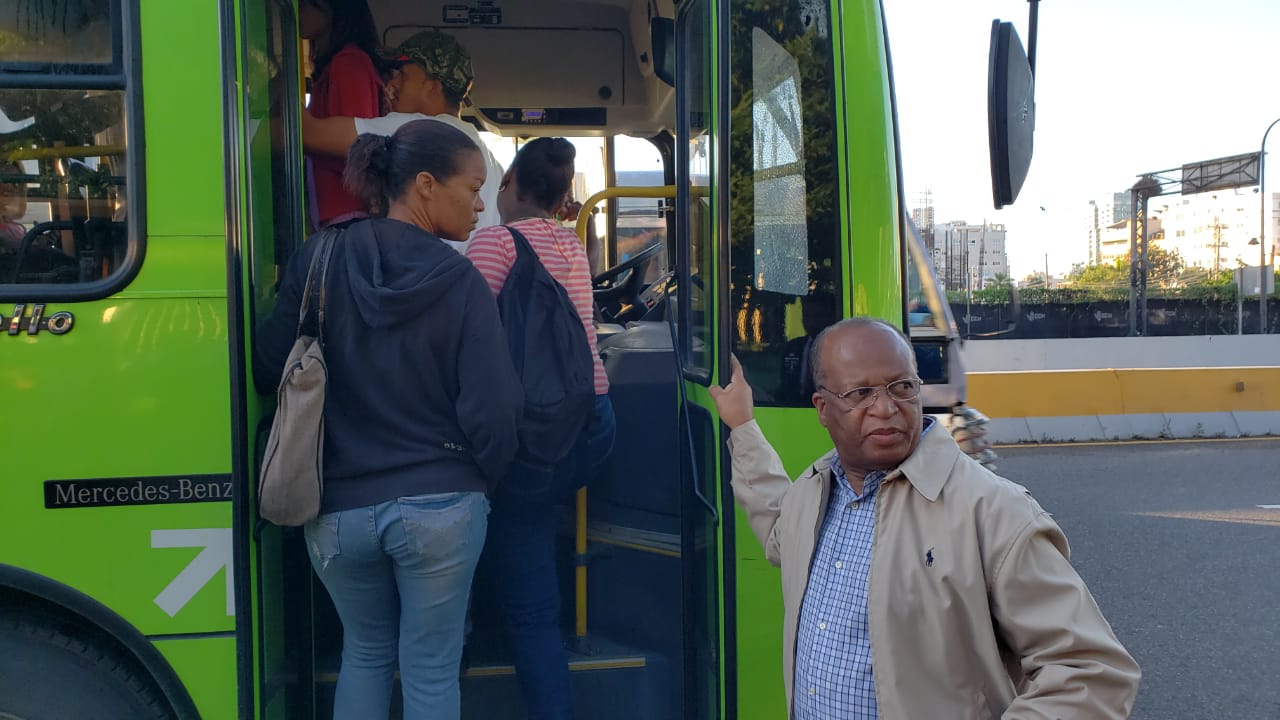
(1165, 317)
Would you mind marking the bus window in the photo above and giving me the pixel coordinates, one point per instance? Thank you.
(640, 222)
(784, 223)
(63, 147)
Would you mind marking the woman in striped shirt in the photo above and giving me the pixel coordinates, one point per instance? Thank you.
(520, 549)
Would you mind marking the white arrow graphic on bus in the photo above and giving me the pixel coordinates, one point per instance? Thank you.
(215, 556)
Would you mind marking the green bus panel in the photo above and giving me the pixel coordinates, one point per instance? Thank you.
(182, 118)
(208, 666)
(135, 391)
(872, 279)
(870, 177)
(800, 439)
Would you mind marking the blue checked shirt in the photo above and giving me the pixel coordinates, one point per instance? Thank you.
(833, 676)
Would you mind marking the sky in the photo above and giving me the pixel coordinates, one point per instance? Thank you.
(1123, 87)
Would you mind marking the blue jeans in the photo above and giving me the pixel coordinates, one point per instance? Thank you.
(400, 573)
(520, 553)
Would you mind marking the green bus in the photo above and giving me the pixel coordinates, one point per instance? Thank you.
(151, 190)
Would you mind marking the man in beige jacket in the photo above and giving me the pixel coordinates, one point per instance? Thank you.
(917, 585)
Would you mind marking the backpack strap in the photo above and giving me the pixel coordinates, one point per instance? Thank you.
(521, 242)
(313, 294)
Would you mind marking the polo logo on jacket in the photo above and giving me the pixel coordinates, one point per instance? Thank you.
(928, 558)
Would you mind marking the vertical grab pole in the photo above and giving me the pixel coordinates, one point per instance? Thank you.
(580, 569)
(580, 510)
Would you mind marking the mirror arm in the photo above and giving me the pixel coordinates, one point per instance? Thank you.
(1032, 23)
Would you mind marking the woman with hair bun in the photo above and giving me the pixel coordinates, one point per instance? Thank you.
(420, 417)
(520, 551)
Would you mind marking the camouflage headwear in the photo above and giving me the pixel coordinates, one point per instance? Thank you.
(442, 58)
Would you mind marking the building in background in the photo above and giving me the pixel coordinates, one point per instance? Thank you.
(1100, 216)
(923, 218)
(1121, 206)
(1114, 242)
(969, 257)
(1216, 231)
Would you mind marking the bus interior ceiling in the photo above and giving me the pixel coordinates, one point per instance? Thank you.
(552, 67)
(580, 69)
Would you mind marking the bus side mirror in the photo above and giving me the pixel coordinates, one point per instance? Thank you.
(662, 32)
(1011, 112)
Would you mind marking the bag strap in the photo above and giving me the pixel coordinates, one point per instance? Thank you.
(522, 243)
(313, 294)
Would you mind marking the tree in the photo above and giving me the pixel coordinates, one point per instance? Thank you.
(1163, 265)
(998, 290)
(1111, 275)
(1164, 268)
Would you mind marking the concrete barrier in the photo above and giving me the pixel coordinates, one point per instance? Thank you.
(1190, 387)
(1123, 352)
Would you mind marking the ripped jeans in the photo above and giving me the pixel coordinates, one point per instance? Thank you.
(399, 573)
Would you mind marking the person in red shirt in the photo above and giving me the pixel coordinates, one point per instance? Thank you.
(347, 81)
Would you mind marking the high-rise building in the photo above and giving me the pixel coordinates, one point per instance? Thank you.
(1212, 230)
(1101, 216)
(969, 256)
(1121, 206)
(923, 217)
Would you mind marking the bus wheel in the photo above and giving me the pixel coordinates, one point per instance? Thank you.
(47, 672)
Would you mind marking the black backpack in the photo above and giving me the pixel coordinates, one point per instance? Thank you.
(551, 355)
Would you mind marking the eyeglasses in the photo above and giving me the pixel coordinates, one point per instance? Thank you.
(860, 398)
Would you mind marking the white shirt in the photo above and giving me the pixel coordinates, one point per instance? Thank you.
(389, 123)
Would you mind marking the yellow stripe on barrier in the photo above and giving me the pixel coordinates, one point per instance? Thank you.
(1124, 392)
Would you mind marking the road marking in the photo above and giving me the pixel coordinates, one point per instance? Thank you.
(1265, 516)
(215, 556)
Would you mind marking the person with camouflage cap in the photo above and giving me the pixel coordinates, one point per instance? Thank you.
(433, 81)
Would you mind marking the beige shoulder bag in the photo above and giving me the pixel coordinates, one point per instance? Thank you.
(291, 481)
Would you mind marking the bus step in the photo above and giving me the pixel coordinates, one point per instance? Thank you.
(610, 681)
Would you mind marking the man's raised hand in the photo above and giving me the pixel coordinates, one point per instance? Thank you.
(734, 401)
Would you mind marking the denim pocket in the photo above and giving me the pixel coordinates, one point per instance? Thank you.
(322, 538)
(444, 522)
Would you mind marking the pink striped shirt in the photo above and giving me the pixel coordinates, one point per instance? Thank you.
(493, 252)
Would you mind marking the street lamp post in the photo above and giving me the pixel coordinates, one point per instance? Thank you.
(1262, 232)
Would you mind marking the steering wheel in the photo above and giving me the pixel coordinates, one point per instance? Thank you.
(47, 256)
(617, 290)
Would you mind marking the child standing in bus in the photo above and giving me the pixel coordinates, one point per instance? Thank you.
(346, 81)
(520, 551)
(420, 417)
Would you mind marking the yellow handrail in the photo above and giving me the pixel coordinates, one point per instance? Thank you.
(64, 151)
(580, 525)
(584, 214)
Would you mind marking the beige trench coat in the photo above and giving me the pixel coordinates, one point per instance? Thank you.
(998, 625)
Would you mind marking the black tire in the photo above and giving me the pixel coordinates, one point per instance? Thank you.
(48, 673)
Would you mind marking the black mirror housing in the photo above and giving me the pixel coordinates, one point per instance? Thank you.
(1011, 113)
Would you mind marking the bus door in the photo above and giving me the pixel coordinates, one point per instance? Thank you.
(786, 111)
(266, 223)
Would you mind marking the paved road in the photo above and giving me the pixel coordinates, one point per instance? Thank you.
(1181, 559)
